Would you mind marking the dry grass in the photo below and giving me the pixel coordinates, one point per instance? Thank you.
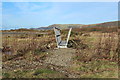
(100, 46)
(15, 46)
(91, 47)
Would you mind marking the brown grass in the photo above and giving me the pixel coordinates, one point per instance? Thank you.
(94, 50)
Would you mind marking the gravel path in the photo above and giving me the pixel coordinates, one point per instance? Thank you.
(61, 60)
(61, 57)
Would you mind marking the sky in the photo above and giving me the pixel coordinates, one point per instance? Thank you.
(41, 14)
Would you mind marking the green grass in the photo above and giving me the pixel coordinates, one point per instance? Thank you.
(6, 75)
(99, 69)
(42, 71)
(39, 73)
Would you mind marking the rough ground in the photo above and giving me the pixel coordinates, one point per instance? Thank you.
(61, 57)
(61, 60)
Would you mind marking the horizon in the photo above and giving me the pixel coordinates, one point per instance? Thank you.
(17, 15)
(53, 24)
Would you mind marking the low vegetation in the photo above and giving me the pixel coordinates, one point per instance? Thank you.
(96, 53)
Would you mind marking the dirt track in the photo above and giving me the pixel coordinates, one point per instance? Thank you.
(61, 60)
(61, 57)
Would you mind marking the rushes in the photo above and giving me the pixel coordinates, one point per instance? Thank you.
(18, 46)
(95, 51)
(97, 45)
(107, 46)
(104, 46)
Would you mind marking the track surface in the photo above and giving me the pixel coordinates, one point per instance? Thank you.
(61, 57)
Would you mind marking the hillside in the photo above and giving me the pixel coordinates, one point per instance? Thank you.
(105, 24)
(66, 26)
(61, 26)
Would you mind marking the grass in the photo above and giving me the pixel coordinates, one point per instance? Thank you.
(39, 73)
(96, 53)
(6, 75)
(97, 69)
(42, 71)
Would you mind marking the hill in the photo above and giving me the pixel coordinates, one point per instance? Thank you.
(105, 24)
(66, 26)
(60, 26)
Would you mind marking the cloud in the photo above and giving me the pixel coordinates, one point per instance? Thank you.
(28, 14)
(28, 7)
(44, 11)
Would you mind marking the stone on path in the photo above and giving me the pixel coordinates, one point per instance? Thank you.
(61, 57)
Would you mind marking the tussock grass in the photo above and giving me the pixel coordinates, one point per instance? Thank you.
(96, 52)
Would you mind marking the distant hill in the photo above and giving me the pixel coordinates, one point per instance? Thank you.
(106, 24)
(42, 28)
(66, 26)
(60, 26)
